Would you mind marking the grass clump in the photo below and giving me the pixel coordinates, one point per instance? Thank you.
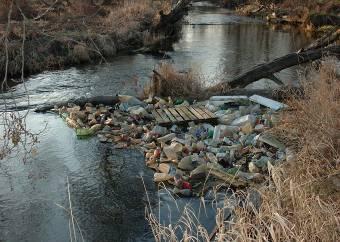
(133, 15)
(169, 82)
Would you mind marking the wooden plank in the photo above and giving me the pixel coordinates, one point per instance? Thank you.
(163, 115)
(181, 114)
(197, 114)
(203, 111)
(157, 117)
(188, 113)
(185, 117)
(172, 118)
(200, 111)
(176, 114)
(209, 113)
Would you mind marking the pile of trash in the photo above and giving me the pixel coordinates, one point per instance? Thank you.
(237, 151)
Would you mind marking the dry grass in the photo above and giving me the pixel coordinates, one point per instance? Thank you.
(172, 83)
(114, 15)
(302, 200)
(53, 32)
(298, 11)
(131, 15)
(313, 5)
(325, 6)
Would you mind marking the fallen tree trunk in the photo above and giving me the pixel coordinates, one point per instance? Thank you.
(325, 40)
(268, 69)
(173, 17)
(106, 100)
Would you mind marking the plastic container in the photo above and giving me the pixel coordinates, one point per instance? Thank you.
(251, 119)
(222, 131)
(84, 132)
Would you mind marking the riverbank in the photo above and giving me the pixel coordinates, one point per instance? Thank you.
(313, 16)
(77, 33)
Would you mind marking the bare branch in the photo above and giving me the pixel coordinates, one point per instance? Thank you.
(4, 82)
(47, 10)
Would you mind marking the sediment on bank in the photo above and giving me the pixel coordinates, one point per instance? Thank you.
(74, 33)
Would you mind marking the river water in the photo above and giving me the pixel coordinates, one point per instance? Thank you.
(107, 193)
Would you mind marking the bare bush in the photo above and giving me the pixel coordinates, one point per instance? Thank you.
(15, 134)
(131, 15)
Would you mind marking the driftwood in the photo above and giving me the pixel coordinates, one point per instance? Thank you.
(325, 40)
(268, 69)
(106, 100)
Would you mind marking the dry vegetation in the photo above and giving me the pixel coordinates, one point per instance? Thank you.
(172, 83)
(325, 6)
(114, 16)
(131, 15)
(302, 203)
(302, 200)
(313, 5)
(312, 14)
(64, 33)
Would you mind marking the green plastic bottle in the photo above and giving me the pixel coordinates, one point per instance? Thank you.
(84, 132)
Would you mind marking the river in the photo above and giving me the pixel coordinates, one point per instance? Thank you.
(107, 193)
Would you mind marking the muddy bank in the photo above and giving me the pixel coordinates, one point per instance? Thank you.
(78, 40)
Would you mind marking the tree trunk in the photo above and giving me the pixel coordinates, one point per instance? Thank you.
(106, 100)
(174, 16)
(268, 69)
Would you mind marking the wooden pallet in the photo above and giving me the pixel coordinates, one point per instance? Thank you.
(185, 114)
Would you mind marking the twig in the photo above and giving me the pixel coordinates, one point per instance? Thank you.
(4, 82)
(46, 11)
(71, 212)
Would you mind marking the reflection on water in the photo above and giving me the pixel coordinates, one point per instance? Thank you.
(107, 193)
(232, 44)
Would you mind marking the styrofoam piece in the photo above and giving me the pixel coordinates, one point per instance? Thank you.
(268, 102)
